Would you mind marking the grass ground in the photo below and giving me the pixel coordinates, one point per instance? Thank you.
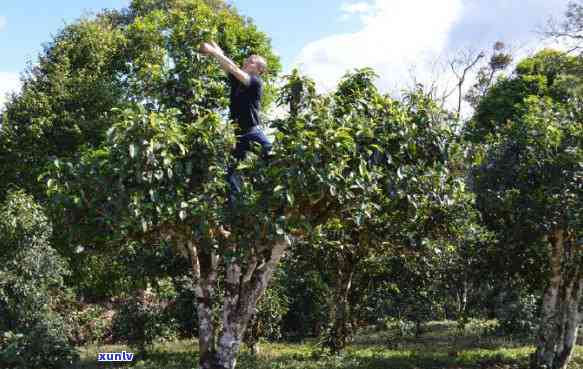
(441, 346)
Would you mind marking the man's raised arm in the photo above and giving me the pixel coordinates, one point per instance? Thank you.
(226, 64)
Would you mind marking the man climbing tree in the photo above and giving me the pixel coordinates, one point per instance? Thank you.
(246, 91)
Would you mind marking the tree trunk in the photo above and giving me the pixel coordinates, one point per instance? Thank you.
(340, 309)
(464, 302)
(204, 270)
(243, 288)
(560, 310)
(252, 335)
(233, 318)
(242, 292)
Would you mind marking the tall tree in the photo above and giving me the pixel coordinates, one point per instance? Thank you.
(138, 71)
(95, 68)
(529, 188)
(403, 187)
(156, 180)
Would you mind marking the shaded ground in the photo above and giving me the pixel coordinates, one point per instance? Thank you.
(442, 346)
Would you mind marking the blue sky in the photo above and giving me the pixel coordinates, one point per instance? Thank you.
(30, 23)
(325, 38)
(25, 25)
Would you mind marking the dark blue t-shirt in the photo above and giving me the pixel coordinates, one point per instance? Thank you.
(245, 102)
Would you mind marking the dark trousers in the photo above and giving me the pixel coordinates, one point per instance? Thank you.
(255, 134)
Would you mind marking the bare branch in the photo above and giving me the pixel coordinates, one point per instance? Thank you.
(571, 28)
(466, 60)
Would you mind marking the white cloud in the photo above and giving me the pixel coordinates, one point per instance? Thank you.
(398, 36)
(3, 22)
(395, 34)
(9, 82)
(355, 7)
(350, 9)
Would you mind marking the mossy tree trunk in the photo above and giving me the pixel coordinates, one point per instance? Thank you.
(245, 282)
(560, 311)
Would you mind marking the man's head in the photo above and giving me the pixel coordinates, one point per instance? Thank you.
(255, 64)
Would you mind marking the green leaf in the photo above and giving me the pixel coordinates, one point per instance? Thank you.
(290, 199)
(153, 196)
(361, 169)
(133, 149)
(400, 173)
(278, 188)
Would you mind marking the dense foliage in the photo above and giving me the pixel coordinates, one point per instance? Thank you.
(86, 79)
(529, 182)
(32, 332)
(381, 210)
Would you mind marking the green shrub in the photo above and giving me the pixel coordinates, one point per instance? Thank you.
(32, 334)
(183, 307)
(406, 328)
(306, 292)
(268, 319)
(41, 345)
(142, 321)
(88, 324)
(517, 314)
